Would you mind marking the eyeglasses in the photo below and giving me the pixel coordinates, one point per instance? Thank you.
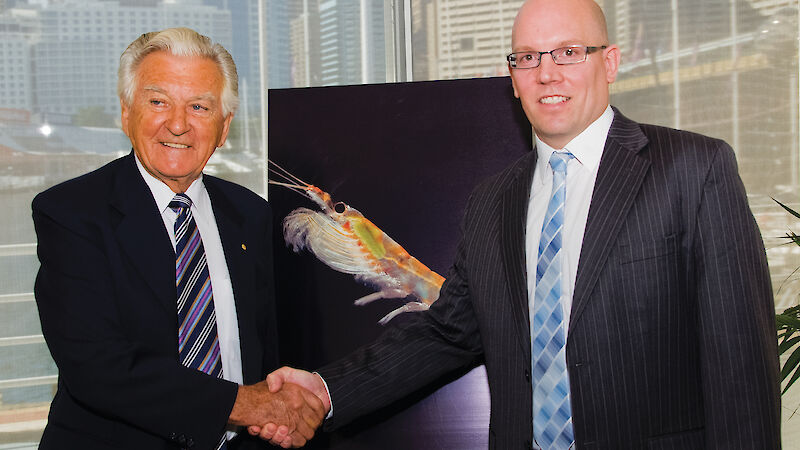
(573, 54)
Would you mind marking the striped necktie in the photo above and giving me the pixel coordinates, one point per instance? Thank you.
(198, 344)
(552, 412)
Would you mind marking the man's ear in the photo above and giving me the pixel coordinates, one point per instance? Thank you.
(124, 117)
(611, 58)
(225, 128)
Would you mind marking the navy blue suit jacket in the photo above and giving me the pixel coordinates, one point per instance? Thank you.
(107, 302)
(671, 341)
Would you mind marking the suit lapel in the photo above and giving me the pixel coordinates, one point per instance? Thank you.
(619, 179)
(230, 223)
(512, 240)
(141, 234)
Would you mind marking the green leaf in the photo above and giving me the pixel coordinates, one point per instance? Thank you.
(793, 311)
(785, 335)
(784, 321)
(788, 324)
(787, 344)
(792, 364)
(791, 211)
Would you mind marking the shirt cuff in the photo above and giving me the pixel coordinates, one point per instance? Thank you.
(327, 391)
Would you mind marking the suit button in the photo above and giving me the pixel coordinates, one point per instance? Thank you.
(527, 374)
(189, 443)
(182, 440)
(173, 436)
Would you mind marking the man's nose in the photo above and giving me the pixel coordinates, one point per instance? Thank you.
(176, 123)
(548, 71)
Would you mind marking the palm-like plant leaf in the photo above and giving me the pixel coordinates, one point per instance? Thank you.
(790, 210)
(788, 324)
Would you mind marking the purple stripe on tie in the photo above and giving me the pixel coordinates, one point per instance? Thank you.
(199, 343)
(197, 331)
(197, 268)
(196, 314)
(192, 245)
(211, 358)
(198, 307)
(190, 249)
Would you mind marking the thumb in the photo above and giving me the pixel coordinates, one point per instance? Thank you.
(276, 379)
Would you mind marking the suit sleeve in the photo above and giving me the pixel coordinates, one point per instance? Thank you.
(100, 367)
(410, 355)
(738, 347)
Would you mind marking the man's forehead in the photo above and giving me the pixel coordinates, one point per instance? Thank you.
(160, 61)
(522, 47)
(164, 73)
(557, 23)
(545, 37)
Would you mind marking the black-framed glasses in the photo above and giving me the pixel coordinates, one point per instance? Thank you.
(572, 54)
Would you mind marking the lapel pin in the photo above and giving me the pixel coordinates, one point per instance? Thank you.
(244, 247)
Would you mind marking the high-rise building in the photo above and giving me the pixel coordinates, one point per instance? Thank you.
(278, 44)
(245, 25)
(474, 37)
(423, 39)
(302, 38)
(347, 44)
(75, 61)
(19, 30)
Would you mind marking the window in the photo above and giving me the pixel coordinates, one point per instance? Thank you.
(61, 129)
(725, 69)
(728, 69)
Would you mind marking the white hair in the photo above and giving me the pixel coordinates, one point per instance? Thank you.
(178, 42)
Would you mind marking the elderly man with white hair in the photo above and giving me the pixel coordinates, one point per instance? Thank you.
(155, 290)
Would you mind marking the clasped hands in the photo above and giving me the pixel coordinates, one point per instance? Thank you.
(285, 409)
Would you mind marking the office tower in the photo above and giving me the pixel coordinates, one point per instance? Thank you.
(19, 30)
(345, 42)
(75, 61)
(423, 39)
(474, 37)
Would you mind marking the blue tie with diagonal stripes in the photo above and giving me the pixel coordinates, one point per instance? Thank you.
(198, 344)
(552, 412)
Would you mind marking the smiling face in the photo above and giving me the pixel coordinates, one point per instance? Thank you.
(175, 120)
(562, 100)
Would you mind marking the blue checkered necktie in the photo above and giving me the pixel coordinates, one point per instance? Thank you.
(552, 412)
(198, 344)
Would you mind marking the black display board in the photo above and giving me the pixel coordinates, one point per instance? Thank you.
(407, 156)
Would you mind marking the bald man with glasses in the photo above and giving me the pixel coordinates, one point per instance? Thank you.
(613, 280)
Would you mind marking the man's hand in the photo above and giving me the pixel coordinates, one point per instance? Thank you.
(297, 411)
(279, 379)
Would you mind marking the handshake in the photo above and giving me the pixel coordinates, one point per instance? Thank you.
(285, 409)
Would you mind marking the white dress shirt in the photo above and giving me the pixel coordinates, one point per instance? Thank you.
(587, 148)
(224, 307)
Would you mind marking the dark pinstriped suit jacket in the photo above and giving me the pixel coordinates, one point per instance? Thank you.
(671, 341)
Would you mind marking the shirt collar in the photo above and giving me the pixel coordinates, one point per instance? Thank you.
(587, 147)
(162, 193)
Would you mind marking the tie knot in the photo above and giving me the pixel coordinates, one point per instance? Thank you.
(180, 202)
(558, 161)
